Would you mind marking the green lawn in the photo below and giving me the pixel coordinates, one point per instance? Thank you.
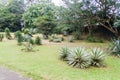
(45, 65)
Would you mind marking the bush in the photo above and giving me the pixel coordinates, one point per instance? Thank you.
(19, 37)
(38, 40)
(26, 31)
(64, 52)
(7, 34)
(1, 37)
(31, 41)
(115, 47)
(91, 39)
(79, 58)
(16, 34)
(97, 57)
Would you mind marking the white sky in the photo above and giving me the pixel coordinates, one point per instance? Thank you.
(57, 2)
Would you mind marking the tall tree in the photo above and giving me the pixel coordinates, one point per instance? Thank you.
(91, 13)
(70, 16)
(104, 13)
(11, 14)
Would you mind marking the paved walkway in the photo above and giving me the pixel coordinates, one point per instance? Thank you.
(6, 74)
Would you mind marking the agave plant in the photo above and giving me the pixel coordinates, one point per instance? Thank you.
(115, 47)
(79, 58)
(97, 57)
(64, 52)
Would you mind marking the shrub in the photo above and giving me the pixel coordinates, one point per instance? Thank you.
(19, 37)
(91, 39)
(115, 47)
(26, 31)
(64, 52)
(38, 40)
(16, 34)
(1, 37)
(79, 58)
(7, 34)
(31, 41)
(97, 57)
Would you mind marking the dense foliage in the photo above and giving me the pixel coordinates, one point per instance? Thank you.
(78, 14)
(10, 15)
(73, 17)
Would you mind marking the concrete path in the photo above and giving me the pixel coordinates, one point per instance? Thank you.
(6, 74)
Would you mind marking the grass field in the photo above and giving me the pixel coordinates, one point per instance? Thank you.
(45, 65)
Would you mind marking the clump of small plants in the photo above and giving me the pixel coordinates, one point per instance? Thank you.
(19, 37)
(82, 58)
(38, 41)
(30, 44)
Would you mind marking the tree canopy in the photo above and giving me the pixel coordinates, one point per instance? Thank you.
(73, 16)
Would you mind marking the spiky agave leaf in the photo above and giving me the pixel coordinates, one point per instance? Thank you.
(115, 47)
(64, 51)
(79, 58)
(97, 57)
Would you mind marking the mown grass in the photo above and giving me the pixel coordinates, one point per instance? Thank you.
(45, 65)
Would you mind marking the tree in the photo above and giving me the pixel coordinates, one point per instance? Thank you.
(40, 15)
(104, 13)
(11, 14)
(36, 10)
(70, 16)
(90, 14)
(45, 25)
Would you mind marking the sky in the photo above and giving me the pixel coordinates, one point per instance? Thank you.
(57, 2)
